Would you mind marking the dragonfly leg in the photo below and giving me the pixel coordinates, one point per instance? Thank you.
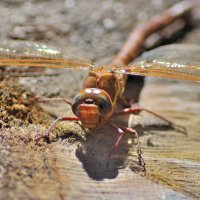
(121, 131)
(141, 160)
(57, 99)
(46, 136)
(136, 109)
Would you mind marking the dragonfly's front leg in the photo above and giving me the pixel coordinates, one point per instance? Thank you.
(46, 135)
(121, 131)
(57, 99)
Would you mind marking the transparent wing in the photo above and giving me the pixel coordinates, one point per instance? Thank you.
(180, 61)
(171, 61)
(23, 53)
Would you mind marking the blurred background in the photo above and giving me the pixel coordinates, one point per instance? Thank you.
(92, 29)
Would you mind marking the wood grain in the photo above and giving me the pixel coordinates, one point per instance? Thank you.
(74, 166)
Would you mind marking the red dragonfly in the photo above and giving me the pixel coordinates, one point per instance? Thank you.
(95, 103)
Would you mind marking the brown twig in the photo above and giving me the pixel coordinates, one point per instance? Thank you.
(134, 45)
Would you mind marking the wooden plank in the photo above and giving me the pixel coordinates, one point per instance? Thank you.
(75, 166)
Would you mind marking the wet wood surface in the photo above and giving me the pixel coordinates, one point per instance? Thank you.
(73, 165)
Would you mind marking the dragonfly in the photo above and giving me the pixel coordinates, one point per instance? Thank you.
(95, 104)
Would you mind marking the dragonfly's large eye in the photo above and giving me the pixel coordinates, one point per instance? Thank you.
(78, 99)
(103, 102)
(93, 96)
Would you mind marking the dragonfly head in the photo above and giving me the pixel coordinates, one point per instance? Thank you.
(92, 105)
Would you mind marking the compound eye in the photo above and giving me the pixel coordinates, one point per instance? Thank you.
(103, 104)
(93, 96)
(78, 99)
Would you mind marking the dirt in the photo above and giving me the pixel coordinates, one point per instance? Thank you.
(19, 106)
